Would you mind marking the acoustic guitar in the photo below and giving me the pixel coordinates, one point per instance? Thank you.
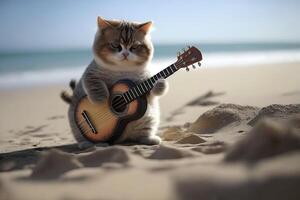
(105, 121)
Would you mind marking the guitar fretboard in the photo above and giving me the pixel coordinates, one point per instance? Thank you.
(145, 86)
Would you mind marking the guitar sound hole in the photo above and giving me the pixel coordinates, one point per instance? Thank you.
(118, 104)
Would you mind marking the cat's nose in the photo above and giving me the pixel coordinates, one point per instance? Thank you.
(125, 54)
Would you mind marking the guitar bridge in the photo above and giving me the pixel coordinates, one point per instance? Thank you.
(88, 121)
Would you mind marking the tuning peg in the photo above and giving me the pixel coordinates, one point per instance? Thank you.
(199, 64)
(187, 69)
(178, 54)
(194, 67)
(189, 46)
(183, 50)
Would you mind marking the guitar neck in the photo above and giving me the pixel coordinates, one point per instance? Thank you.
(146, 86)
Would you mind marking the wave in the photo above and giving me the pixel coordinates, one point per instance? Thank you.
(37, 78)
(210, 60)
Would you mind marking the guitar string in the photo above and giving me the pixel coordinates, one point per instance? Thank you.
(85, 130)
(108, 116)
(118, 106)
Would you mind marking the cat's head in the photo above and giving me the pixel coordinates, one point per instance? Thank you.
(122, 46)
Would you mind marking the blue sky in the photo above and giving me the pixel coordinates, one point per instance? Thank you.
(36, 24)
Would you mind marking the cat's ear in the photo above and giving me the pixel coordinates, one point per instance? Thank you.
(102, 23)
(145, 27)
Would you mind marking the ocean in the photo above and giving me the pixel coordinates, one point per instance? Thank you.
(22, 69)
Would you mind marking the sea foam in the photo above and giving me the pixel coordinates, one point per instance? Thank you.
(210, 60)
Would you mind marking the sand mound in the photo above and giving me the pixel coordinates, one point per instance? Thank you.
(267, 138)
(221, 116)
(276, 111)
(53, 164)
(165, 152)
(107, 155)
(270, 180)
(172, 133)
(191, 139)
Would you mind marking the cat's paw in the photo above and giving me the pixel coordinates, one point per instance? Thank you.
(153, 140)
(97, 91)
(160, 87)
(85, 145)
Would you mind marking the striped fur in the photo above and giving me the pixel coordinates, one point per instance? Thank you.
(106, 69)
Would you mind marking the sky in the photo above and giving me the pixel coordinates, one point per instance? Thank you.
(58, 24)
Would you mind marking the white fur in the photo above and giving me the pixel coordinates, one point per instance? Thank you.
(118, 58)
(142, 130)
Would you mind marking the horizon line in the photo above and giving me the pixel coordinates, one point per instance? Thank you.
(80, 48)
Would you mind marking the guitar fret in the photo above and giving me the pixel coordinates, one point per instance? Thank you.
(138, 88)
(143, 87)
(130, 95)
(133, 93)
(167, 69)
(168, 74)
(125, 97)
(174, 67)
(171, 68)
(139, 92)
(148, 84)
(159, 75)
(145, 84)
(153, 81)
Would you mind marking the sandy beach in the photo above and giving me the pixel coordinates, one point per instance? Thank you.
(228, 133)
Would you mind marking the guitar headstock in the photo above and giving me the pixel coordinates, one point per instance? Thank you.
(189, 57)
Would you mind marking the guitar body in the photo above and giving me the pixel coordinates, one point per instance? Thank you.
(105, 121)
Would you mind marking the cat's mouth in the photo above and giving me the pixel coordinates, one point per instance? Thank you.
(125, 59)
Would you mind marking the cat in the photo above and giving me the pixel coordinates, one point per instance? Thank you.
(121, 50)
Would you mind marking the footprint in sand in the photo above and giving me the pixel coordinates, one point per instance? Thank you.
(53, 164)
(31, 129)
(211, 148)
(203, 100)
(107, 155)
(56, 117)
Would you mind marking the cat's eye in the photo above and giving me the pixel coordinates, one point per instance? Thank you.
(134, 47)
(116, 46)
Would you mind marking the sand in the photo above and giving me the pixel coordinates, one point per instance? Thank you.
(228, 133)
